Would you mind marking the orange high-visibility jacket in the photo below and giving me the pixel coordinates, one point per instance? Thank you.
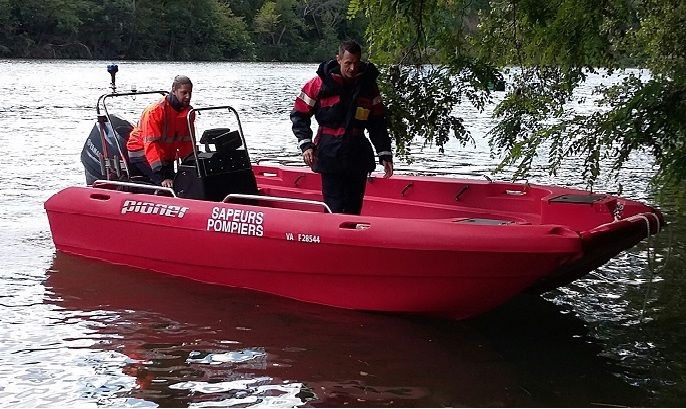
(162, 135)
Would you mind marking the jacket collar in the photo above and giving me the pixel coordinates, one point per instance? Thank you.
(174, 102)
(330, 72)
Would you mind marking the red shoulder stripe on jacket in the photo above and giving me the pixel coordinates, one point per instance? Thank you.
(308, 95)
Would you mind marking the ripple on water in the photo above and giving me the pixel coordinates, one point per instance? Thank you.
(251, 392)
(242, 356)
(54, 352)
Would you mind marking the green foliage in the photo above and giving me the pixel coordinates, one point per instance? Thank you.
(434, 56)
(554, 45)
(326, 24)
(427, 66)
(43, 29)
(661, 38)
(179, 30)
(278, 30)
(633, 116)
(174, 29)
(432, 122)
(646, 114)
(267, 22)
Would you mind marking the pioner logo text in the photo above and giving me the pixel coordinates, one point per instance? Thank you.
(134, 206)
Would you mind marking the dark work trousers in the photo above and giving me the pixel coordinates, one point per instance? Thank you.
(343, 192)
(141, 167)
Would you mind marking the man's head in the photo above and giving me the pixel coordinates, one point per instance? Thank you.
(182, 88)
(348, 57)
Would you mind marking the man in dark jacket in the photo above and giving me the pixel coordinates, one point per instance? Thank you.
(344, 99)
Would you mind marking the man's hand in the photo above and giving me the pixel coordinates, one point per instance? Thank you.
(308, 157)
(388, 169)
(167, 183)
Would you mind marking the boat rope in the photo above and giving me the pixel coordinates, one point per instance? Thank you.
(651, 261)
(651, 271)
(657, 220)
(645, 219)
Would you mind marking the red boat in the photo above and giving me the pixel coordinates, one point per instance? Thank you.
(428, 245)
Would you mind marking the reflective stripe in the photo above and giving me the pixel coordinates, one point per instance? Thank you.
(385, 153)
(304, 141)
(332, 131)
(309, 101)
(156, 165)
(168, 139)
(149, 139)
(136, 154)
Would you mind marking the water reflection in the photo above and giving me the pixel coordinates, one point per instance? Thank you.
(614, 337)
(173, 342)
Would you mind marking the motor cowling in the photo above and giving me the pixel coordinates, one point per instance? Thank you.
(117, 131)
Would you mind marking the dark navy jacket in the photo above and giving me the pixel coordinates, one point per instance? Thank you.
(343, 111)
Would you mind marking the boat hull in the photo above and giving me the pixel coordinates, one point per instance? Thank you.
(437, 266)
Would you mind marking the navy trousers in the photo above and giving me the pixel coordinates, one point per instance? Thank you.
(141, 167)
(344, 192)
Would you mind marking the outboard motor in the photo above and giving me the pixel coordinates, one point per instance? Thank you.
(117, 132)
(104, 155)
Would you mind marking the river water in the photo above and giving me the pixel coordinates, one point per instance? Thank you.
(74, 332)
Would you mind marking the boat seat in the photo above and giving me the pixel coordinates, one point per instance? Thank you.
(221, 173)
(224, 139)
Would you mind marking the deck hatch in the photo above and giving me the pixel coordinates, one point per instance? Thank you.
(587, 199)
(478, 220)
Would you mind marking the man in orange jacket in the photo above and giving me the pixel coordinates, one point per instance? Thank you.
(162, 134)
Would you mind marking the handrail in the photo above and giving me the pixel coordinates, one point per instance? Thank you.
(102, 101)
(155, 188)
(277, 199)
(191, 129)
(103, 97)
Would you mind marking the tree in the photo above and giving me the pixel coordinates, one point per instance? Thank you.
(175, 29)
(233, 39)
(427, 67)
(211, 31)
(7, 27)
(45, 29)
(107, 29)
(268, 25)
(555, 44)
(279, 30)
(325, 24)
(181, 30)
(322, 14)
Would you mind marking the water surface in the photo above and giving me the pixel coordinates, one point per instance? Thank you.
(74, 332)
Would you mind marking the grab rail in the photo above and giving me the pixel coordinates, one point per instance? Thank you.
(155, 188)
(191, 129)
(277, 199)
(105, 160)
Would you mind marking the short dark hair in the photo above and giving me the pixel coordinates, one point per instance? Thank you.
(180, 80)
(351, 46)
